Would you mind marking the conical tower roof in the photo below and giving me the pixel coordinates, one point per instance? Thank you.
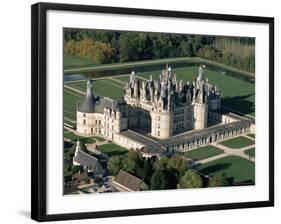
(89, 102)
(200, 76)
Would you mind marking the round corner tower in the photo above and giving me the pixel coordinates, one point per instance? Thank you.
(85, 113)
(200, 102)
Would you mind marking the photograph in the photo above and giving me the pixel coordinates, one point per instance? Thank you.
(151, 111)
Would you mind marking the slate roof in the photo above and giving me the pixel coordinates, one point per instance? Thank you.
(89, 102)
(128, 180)
(92, 104)
(106, 102)
(90, 162)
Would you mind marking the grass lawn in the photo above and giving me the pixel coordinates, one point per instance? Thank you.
(98, 138)
(204, 152)
(240, 170)
(251, 135)
(250, 152)
(237, 142)
(74, 137)
(112, 149)
(105, 88)
(70, 61)
(124, 78)
(69, 105)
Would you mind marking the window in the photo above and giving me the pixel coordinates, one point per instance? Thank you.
(84, 115)
(84, 122)
(158, 133)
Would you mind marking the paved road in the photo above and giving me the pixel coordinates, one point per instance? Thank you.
(249, 137)
(117, 80)
(113, 84)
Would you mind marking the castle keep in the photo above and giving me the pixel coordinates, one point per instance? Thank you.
(163, 113)
(168, 106)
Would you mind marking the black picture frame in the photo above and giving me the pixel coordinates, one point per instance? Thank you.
(39, 115)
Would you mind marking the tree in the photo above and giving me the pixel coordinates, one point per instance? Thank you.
(218, 180)
(190, 180)
(163, 162)
(159, 181)
(163, 179)
(75, 169)
(186, 49)
(127, 47)
(201, 53)
(177, 165)
(148, 170)
(100, 52)
(69, 46)
(114, 164)
(134, 163)
(210, 53)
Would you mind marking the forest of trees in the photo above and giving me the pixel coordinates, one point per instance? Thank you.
(166, 173)
(108, 47)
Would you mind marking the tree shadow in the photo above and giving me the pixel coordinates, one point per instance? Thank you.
(116, 153)
(245, 182)
(239, 103)
(67, 144)
(215, 168)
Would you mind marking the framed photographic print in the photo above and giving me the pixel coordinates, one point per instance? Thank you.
(138, 111)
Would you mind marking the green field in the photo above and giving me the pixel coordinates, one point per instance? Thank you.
(104, 88)
(203, 153)
(73, 137)
(71, 61)
(236, 94)
(98, 138)
(251, 135)
(250, 152)
(239, 170)
(238, 142)
(112, 149)
(69, 105)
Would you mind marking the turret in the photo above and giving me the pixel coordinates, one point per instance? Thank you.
(136, 89)
(78, 147)
(132, 79)
(88, 104)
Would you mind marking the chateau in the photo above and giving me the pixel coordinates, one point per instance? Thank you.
(160, 115)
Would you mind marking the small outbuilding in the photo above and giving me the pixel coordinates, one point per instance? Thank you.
(88, 161)
(125, 181)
